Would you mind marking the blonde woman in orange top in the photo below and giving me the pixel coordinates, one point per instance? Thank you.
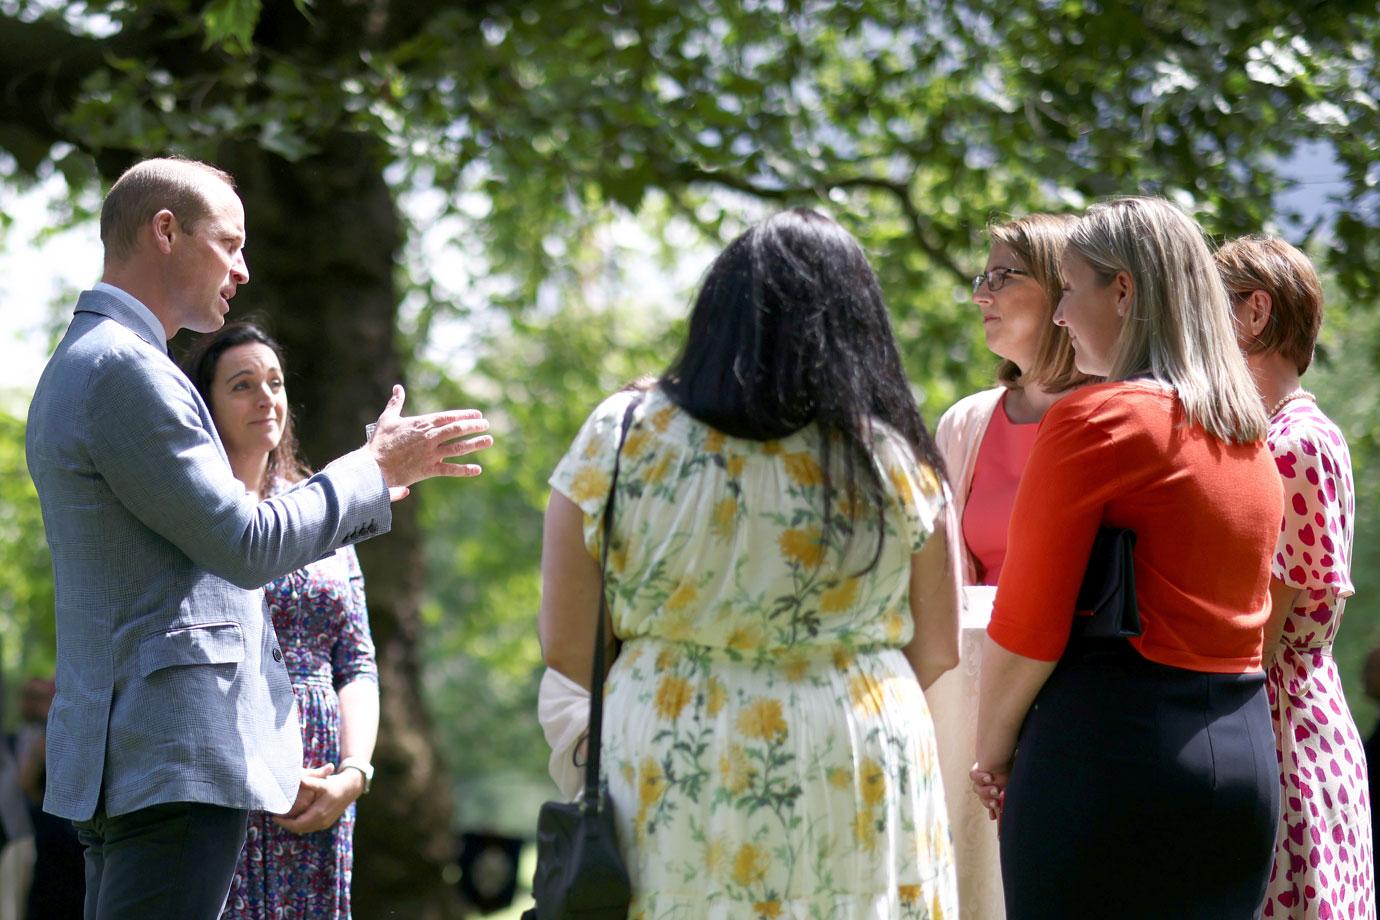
(1136, 778)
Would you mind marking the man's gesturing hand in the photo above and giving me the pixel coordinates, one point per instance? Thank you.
(415, 447)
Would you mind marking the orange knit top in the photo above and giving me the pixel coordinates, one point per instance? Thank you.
(1206, 515)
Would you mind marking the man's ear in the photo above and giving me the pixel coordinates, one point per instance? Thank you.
(1256, 311)
(1124, 286)
(165, 230)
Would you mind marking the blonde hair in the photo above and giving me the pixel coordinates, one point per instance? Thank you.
(1179, 326)
(1038, 241)
(148, 187)
(1269, 264)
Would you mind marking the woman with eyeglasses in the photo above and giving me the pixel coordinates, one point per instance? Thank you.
(1136, 778)
(985, 439)
(1323, 864)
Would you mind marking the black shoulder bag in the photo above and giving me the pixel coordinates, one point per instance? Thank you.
(1109, 588)
(580, 872)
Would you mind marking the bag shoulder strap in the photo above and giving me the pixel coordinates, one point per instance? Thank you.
(596, 683)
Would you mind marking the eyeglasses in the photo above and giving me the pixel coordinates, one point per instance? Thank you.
(996, 278)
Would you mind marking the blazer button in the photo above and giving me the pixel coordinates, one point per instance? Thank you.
(277, 655)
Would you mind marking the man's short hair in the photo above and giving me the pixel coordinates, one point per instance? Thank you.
(148, 187)
(1269, 264)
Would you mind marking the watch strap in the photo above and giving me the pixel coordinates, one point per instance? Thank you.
(365, 769)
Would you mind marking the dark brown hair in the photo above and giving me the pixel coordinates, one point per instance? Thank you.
(284, 461)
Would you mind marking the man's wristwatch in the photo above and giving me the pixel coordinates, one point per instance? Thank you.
(365, 769)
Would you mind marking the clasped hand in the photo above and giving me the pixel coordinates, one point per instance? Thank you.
(416, 447)
(989, 784)
(321, 799)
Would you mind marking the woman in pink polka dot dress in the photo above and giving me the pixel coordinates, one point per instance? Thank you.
(1323, 865)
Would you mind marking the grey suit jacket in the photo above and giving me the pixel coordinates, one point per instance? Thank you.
(170, 682)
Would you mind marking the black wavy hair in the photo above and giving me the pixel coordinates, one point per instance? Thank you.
(199, 364)
(790, 329)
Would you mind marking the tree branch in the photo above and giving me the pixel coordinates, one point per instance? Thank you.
(920, 227)
(45, 64)
(41, 73)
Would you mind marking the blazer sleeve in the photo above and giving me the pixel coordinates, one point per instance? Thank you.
(152, 447)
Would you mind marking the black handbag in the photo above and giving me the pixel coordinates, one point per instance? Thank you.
(580, 872)
(1109, 587)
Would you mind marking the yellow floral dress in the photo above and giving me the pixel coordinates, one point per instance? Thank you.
(767, 748)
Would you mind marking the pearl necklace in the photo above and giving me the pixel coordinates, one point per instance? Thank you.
(1284, 401)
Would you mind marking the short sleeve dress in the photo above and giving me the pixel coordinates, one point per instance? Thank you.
(1323, 859)
(768, 750)
(322, 623)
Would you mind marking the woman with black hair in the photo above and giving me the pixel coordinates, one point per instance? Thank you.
(782, 580)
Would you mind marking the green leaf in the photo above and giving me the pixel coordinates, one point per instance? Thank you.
(229, 24)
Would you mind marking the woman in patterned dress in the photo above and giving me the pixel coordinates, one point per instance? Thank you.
(1323, 865)
(782, 583)
(297, 865)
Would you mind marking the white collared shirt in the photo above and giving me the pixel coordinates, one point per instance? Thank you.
(141, 311)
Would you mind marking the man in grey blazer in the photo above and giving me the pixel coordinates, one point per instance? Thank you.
(174, 716)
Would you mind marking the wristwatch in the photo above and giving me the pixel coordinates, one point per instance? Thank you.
(365, 769)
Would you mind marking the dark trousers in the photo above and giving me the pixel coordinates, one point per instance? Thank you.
(58, 889)
(1140, 791)
(164, 862)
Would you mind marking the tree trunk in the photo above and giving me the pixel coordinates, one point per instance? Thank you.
(323, 239)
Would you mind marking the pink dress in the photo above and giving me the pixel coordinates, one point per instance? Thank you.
(987, 514)
(1323, 865)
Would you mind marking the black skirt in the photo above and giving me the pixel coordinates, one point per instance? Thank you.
(1140, 791)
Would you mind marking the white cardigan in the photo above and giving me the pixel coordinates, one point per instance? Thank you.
(563, 711)
(953, 697)
(958, 436)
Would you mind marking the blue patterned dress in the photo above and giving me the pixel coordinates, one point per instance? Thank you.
(323, 627)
